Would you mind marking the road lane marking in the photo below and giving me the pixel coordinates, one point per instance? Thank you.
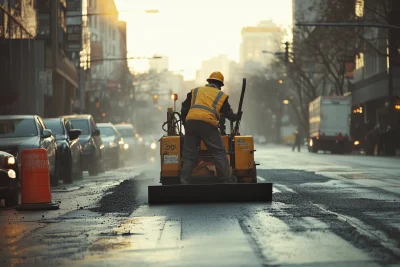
(365, 230)
(274, 189)
(278, 188)
(171, 235)
(284, 188)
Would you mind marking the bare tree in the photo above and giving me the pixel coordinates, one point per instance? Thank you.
(319, 55)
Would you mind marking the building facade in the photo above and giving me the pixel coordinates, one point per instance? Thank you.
(259, 44)
(20, 92)
(109, 81)
(217, 63)
(376, 88)
(41, 79)
(62, 73)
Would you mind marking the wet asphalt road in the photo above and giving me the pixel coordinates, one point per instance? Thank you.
(327, 210)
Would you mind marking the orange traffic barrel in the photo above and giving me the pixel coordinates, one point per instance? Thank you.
(35, 181)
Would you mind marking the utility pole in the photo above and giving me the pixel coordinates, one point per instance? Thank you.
(287, 52)
(394, 58)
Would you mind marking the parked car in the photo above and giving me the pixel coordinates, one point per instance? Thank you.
(129, 134)
(113, 142)
(68, 146)
(19, 132)
(91, 142)
(8, 179)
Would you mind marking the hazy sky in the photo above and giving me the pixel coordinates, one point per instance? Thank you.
(189, 31)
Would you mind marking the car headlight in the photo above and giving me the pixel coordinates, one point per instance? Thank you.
(121, 142)
(112, 144)
(153, 145)
(11, 160)
(126, 146)
(12, 174)
(356, 143)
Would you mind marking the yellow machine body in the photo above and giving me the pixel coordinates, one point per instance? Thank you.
(240, 152)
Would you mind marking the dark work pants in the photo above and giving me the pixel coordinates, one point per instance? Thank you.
(296, 145)
(195, 131)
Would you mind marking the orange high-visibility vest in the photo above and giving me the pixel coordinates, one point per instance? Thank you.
(206, 104)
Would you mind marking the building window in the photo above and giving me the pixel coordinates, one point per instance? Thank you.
(359, 8)
(360, 61)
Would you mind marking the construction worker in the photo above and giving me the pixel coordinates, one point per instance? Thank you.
(201, 112)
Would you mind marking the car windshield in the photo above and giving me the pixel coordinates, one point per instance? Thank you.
(106, 131)
(126, 132)
(55, 127)
(18, 128)
(82, 125)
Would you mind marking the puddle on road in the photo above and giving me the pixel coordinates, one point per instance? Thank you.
(105, 244)
(132, 234)
(145, 239)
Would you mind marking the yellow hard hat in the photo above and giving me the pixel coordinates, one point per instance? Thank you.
(216, 75)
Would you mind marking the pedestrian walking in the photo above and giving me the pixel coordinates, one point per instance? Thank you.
(297, 140)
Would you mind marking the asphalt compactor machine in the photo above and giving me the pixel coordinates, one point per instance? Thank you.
(204, 186)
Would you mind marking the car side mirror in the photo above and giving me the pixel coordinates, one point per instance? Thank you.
(74, 134)
(46, 133)
(96, 132)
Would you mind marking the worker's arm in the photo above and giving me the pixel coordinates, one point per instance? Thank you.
(228, 112)
(185, 107)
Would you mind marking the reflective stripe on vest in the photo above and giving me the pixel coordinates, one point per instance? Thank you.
(214, 104)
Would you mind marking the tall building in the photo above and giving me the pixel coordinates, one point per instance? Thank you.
(108, 71)
(256, 40)
(105, 43)
(218, 63)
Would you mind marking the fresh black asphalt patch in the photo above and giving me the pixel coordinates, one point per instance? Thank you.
(336, 199)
